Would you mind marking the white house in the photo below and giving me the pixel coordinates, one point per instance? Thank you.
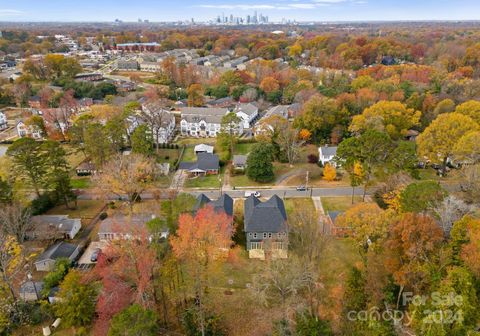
(202, 148)
(203, 121)
(28, 131)
(326, 154)
(54, 227)
(263, 127)
(248, 113)
(3, 121)
(128, 227)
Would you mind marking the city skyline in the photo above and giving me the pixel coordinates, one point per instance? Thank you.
(208, 10)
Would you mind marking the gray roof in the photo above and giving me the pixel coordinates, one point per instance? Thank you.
(57, 251)
(240, 160)
(334, 214)
(223, 204)
(279, 110)
(269, 216)
(28, 287)
(61, 223)
(209, 114)
(328, 150)
(248, 108)
(205, 161)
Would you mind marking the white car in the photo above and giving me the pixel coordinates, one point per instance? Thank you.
(254, 193)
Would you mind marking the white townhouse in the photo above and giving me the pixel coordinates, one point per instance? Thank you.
(3, 121)
(164, 121)
(248, 113)
(203, 121)
(263, 127)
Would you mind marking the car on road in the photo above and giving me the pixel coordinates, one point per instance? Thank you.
(302, 188)
(254, 193)
(95, 254)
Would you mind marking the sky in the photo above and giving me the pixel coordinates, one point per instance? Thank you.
(202, 10)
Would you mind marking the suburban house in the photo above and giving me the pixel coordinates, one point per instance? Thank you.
(263, 127)
(225, 102)
(28, 131)
(326, 154)
(3, 121)
(150, 66)
(203, 121)
(34, 102)
(86, 168)
(266, 229)
(54, 227)
(206, 164)
(223, 204)
(89, 76)
(202, 148)
(248, 113)
(46, 261)
(239, 162)
(126, 227)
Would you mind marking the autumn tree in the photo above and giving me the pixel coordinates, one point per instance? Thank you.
(76, 306)
(201, 243)
(421, 196)
(391, 117)
(126, 176)
(142, 142)
(97, 144)
(411, 249)
(269, 85)
(157, 120)
(319, 116)
(467, 149)
(471, 109)
(290, 142)
(195, 95)
(438, 140)
(329, 172)
(230, 129)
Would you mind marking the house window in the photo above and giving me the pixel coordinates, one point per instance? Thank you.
(256, 246)
(255, 235)
(270, 235)
(250, 234)
(264, 235)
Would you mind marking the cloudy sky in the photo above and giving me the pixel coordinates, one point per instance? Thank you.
(302, 10)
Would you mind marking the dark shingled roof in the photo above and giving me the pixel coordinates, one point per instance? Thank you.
(223, 204)
(269, 216)
(205, 161)
(57, 251)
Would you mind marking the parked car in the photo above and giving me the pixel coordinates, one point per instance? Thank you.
(95, 254)
(302, 188)
(254, 193)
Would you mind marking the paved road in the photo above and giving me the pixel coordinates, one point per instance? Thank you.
(281, 192)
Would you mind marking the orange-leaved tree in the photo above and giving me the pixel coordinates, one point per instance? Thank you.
(201, 244)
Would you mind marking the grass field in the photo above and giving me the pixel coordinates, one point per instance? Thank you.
(209, 181)
(80, 182)
(305, 204)
(339, 203)
(86, 209)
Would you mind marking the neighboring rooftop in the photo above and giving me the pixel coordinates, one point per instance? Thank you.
(223, 204)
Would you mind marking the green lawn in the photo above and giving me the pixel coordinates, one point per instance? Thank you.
(243, 148)
(167, 155)
(339, 203)
(299, 203)
(80, 182)
(209, 181)
(189, 155)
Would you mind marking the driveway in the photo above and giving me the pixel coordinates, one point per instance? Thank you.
(85, 258)
(178, 179)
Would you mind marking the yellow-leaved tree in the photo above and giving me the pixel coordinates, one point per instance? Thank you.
(438, 141)
(470, 108)
(391, 117)
(329, 172)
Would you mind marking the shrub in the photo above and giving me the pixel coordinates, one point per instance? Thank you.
(42, 204)
(312, 158)
(103, 216)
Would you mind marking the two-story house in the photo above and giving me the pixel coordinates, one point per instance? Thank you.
(203, 121)
(248, 113)
(3, 121)
(263, 126)
(28, 131)
(163, 125)
(266, 228)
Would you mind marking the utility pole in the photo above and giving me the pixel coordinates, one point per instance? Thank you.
(306, 181)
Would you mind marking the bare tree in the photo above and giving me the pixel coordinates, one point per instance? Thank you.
(157, 119)
(15, 220)
(471, 182)
(125, 176)
(450, 210)
(290, 143)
